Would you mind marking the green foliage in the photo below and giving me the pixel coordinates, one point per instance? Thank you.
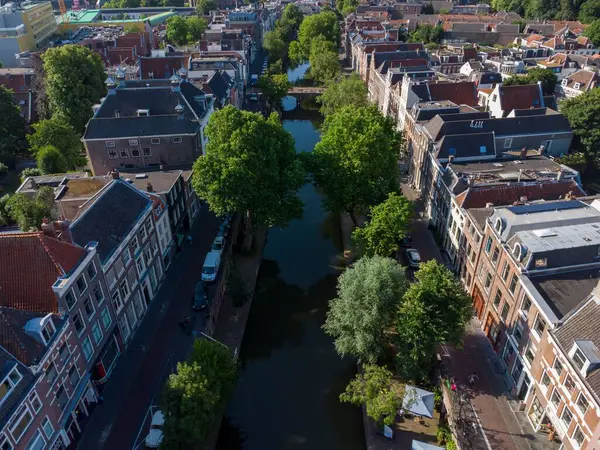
(347, 7)
(195, 394)
(51, 160)
(389, 223)
(583, 114)
(237, 290)
(250, 166)
(177, 30)
(28, 213)
(427, 34)
(295, 52)
(324, 62)
(323, 26)
(30, 172)
(444, 11)
(434, 309)
(546, 76)
(74, 82)
(375, 389)
(359, 318)
(206, 6)
(274, 88)
(196, 27)
(131, 29)
(274, 45)
(5, 218)
(61, 135)
(12, 127)
(3, 168)
(276, 42)
(349, 91)
(590, 11)
(593, 32)
(427, 8)
(276, 68)
(355, 163)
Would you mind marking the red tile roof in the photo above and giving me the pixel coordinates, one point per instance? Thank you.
(463, 93)
(524, 96)
(500, 195)
(30, 263)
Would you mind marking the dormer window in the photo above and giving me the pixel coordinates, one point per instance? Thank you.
(498, 225)
(579, 359)
(48, 331)
(143, 112)
(540, 263)
(564, 82)
(518, 251)
(9, 383)
(577, 86)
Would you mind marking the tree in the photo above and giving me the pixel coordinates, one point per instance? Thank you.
(236, 287)
(385, 229)
(206, 6)
(359, 318)
(196, 27)
(51, 160)
(590, 11)
(177, 30)
(250, 166)
(30, 172)
(427, 34)
(427, 8)
(5, 218)
(349, 91)
(195, 394)
(28, 213)
(583, 114)
(60, 135)
(593, 32)
(546, 76)
(324, 62)
(274, 88)
(12, 128)
(292, 17)
(435, 309)
(355, 163)
(74, 81)
(323, 25)
(274, 45)
(376, 389)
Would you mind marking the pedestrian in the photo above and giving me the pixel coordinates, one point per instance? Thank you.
(189, 238)
(473, 378)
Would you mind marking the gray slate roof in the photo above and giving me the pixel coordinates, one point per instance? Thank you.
(17, 396)
(110, 217)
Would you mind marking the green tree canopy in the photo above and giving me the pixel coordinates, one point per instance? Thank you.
(590, 11)
(28, 213)
(388, 224)
(250, 165)
(355, 163)
(427, 8)
(51, 160)
(434, 309)
(30, 172)
(359, 318)
(323, 25)
(74, 81)
(583, 114)
(206, 6)
(546, 76)
(12, 128)
(593, 32)
(195, 394)
(274, 88)
(427, 34)
(274, 45)
(177, 30)
(324, 62)
(61, 135)
(378, 391)
(349, 91)
(196, 27)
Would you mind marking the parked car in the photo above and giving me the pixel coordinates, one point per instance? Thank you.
(218, 244)
(413, 257)
(406, 241)
(155, 435)
(254, 97)
(200, 298)
(210, 268)
(224, 229)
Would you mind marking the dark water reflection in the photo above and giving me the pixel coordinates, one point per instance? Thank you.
(291, 377)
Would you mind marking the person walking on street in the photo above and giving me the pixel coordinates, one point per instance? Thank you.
(473, 378)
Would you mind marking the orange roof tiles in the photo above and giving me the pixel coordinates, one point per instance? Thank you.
(520, 97)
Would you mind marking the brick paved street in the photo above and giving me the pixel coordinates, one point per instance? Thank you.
(141, 370)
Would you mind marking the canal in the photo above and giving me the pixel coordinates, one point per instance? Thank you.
(290, 378)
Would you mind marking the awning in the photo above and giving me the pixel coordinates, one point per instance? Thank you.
(418, 401)
(418, 445)
(75, 399)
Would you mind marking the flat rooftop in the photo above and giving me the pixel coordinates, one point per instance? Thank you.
(161, 181)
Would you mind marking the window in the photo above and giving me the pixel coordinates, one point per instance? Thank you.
(135, 153)
(124, 153)
(488, 281)
(78, 323)
(73, 375)
(497, 299)
(518, 331)
(513, 284)
(64, 352)
(566, 417)
(81, 284)
(140, 265)
(124, 288)
(539, 325)
(555, 399)
(35, 402)
(20, 424)
(582, 403)
(116, 301)
(525, 305)
(579, 359)
(545, 379)
(143, 233)
(48, 331)
(147, 151)
(88, 350)
(569, 383)
(112, 153)
(61, 397)
(51, 373)
(578, 436)
(98, 295)
(177, 140)
(131, 317)
(88, 305)
(47, 427)
(134, 245)
(70, 299)
(488, 245)
(496, 254)
(124, 328)
(110, 144)
(97, 333)
(505, 311)
(507, 143)
(133, 142)
(529, 353)
(505, 271)
(155, 141)
(557, 366)
(91, 271)
(106, 320)
(541, 262)
(9, 383)
(111, 278)
(126, 257)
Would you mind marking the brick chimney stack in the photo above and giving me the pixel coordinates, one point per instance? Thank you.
(114, 174)
(149, 187)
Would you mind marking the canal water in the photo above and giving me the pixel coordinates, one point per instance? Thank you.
(287, 396)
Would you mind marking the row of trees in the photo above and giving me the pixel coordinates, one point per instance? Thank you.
(141, 3)
(185, 30)
(546, 76)
(346, 7)
(585, 10)
(276, 42)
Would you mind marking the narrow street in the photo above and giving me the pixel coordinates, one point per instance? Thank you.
(154, 350)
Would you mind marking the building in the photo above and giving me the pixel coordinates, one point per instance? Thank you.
(148, 124)
(502, 100)
(24, 27)
(20, 81)
(56, 336)
(578, 83)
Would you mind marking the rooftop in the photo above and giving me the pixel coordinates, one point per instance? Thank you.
(161, 181)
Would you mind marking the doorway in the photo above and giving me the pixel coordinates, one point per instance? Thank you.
(147, 297)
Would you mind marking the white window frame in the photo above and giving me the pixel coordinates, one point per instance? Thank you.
(149, 151)
(116, 153)
(581, 394)
(92, 304)
(85, 283)
(177, 140)
(124, 151)
(45, 422)
(103, 315)
(13, 424)
(35, 438)
(110, 144)
(82, 321)
(87, 357)
(133, 142)
(126, 257)
(574, 441)
(97, 327)
(155, 141)
(95, 270)
(507, 142)
(99, 287)
(32, 397)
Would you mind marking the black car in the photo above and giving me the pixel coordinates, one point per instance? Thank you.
(200, 298)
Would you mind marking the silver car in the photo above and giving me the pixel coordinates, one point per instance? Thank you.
(413, 257)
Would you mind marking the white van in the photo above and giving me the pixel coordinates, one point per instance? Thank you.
(210, 269)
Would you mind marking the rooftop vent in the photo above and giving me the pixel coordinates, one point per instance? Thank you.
(140, 176)
(545, 233)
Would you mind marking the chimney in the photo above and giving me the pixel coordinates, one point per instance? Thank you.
(48, 228)
(64, 227)
(114, 174)
(559, 175)
(523, 154)
(450, 159)
(520, 173)
(149, 187)
(489, 205)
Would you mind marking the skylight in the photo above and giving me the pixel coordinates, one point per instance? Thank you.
(545, 233)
